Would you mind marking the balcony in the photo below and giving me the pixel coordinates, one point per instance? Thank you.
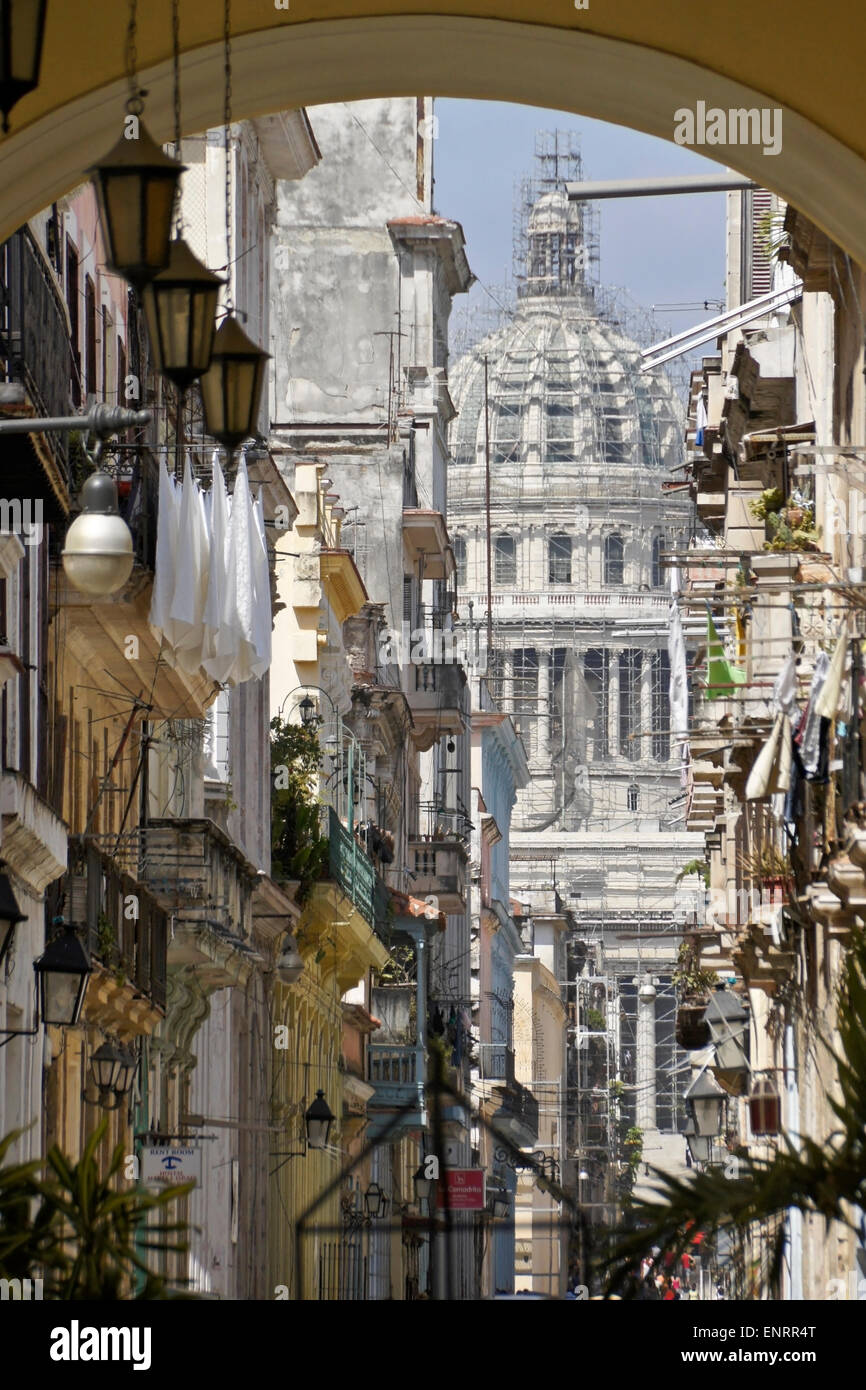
(438, 865)
(37, 365)
(426, 544)
(197, 874)
(127, 937)
(397, 1074)
(436, 696)
(114, 633)
(353, 872)
(517, 1113)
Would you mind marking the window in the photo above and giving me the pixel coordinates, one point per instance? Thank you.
(661, 706)
(629, 705)
(504, 560)
(658, 573)
(633, 797)
(614, 568)
(559, 560)
(460, 560)
(595, 674)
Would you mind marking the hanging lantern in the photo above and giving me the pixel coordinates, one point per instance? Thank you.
(10, 915)
(22, 30)
(136, 185)
(705, 1101)
(728, 1023)
(290, 965)
(318, 1121)
(63, 971)
(180, 305)
(231, 388)
(98, 555)
(765, 1107)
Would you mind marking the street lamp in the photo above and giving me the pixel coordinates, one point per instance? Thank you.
(10, 915)
(307, 708)
(22, 30)
(705, 1101)
(699, 1148)
(231, 388)
(98, 555)
(375, 1202)
(318, 1120)
(180, 305)
(765, 1107)
(290, 965)
(62, 973)
(423, 1184)
(112, 1069)
(136, 185)
(728, 1022)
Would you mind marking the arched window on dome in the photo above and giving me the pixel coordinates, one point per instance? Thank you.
(559, 560)
(504, 560)
(633, 797)
(506, 433)
(658, 575)
(460, 560)
(614, 566)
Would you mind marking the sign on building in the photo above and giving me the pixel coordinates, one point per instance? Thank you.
(465, 1188)
(170, 1166)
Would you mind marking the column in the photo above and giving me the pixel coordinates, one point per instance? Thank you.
(645, 744)
(543, 708)
(646, 1054)
(507, 698)
(613, 701)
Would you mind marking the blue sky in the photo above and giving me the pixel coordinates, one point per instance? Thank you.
(663, 250)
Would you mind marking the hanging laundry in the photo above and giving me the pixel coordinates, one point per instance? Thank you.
(215, 666)
(810, 736)
(184, 625)
(772, 768)
(700, 421)
(166, 548)
(261, 628)
(827, 704)
(785, 686)
(720, 672)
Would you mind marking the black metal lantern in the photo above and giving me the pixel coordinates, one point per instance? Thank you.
(308, 711)
(765, 1107)
(22, 30)
(422, 1184)
(105, 1066)
(498, 1203)
(318, 1120)
(180, 305)
(62, 972)
(375, 1202)
(705, 1100)
(10, 915)
(136, 185)
(699, 1148)
(231, 388)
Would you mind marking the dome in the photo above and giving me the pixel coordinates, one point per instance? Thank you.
(565, 388)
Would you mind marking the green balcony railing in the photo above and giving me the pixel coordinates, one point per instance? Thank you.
(352, 870)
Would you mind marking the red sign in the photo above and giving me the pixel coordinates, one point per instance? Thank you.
(464, 1188)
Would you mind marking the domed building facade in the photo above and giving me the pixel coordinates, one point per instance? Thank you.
(582, 499)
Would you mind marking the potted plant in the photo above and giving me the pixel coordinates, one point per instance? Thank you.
(693, 987)
(770, 868)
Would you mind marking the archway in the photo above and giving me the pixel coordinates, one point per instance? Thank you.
(636, 68)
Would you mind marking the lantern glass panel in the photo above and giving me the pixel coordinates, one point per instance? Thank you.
(62, 996)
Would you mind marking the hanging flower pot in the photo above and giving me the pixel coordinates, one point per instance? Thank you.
(692, 1030)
